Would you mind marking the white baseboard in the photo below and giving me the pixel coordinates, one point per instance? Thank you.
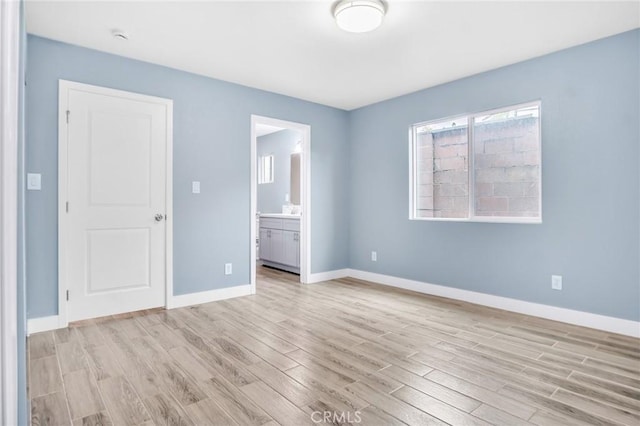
(37, 325)
(585, 319)
(208, 296)
(327, 276)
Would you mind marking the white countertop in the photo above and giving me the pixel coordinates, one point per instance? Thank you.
(280, 215)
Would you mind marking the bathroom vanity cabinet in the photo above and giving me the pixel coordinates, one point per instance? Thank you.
(279, 241)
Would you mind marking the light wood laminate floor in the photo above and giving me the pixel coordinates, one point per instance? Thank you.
(344, 349)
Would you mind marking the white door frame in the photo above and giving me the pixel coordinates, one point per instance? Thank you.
(305, 217)
(63, 90)
(9, 85)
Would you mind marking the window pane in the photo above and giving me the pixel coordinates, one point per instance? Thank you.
(265, 169)
(271, 174)
(442, 180)
(507, 163)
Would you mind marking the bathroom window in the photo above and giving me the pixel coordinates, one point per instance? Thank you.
(265, 169)
(482, 167)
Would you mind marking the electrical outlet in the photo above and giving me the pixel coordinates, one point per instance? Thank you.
(195, 187)
(228, 268)
(374, 256)
(556, 282)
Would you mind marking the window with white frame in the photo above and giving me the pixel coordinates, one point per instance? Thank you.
(265, 169)
(482, 167)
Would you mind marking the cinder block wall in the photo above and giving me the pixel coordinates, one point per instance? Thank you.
(506, 164)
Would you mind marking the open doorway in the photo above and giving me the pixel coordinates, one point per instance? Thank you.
(280, 197)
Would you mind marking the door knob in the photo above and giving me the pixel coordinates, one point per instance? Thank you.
(159, 217)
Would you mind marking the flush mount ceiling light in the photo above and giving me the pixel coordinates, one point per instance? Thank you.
(359, 16)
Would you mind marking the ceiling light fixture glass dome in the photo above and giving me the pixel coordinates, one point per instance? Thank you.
(359, 16)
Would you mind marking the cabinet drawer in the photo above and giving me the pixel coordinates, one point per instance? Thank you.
(270, 222)
(291, 224)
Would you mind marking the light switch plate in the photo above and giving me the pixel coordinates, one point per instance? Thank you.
(195, 187)
(228, 268)
(34, 181)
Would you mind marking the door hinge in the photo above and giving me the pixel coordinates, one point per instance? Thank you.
(68, 113)
(67, 295)
(67, 207)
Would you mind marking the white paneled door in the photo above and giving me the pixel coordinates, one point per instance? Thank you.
(116, 190)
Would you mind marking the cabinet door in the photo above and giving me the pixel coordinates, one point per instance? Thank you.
(290, 248)
(265, 244)
(276, 250)
(297, 248)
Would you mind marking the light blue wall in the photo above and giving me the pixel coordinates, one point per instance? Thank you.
(211, 144)
(590, 185)
(591, 180)
(271, 196)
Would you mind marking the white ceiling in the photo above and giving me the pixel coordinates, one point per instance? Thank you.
(266, 129)
(295, 48)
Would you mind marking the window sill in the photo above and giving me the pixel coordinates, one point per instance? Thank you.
(512, 220)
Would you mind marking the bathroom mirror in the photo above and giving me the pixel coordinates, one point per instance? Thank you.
(295, 179)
